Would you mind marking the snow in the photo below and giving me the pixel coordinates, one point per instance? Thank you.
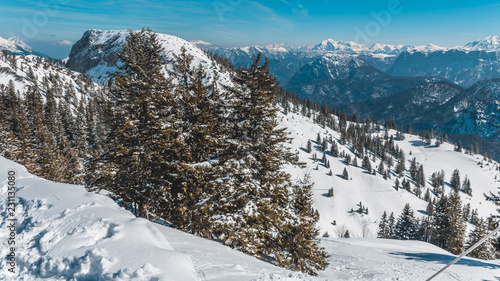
(65, 232)
(384, 259)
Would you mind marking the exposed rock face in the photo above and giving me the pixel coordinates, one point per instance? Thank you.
(96, 50)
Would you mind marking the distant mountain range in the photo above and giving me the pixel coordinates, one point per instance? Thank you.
(453, 90)
(464, 65)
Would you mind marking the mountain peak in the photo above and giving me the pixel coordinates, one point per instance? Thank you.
(490, 43)
(15, 45)
(344, 46)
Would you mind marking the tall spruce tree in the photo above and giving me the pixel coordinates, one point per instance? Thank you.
(455, 180)
(199, 124)
(255, 216)
(138, 164)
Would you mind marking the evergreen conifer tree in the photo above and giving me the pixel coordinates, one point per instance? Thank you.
(138, 164)
(486, 250)
(455, 180)
(406, 227)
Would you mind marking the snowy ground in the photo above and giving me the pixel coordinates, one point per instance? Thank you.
(64, 232)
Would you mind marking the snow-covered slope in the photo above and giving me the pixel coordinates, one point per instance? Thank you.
(373, 191)
(95, 54)
(64, 232)
(32, 71)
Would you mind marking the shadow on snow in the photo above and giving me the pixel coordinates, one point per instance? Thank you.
(445, 259)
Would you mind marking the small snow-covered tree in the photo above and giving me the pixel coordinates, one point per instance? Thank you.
(455, 180)
(345, 174)
(383, 226)
(406, 227)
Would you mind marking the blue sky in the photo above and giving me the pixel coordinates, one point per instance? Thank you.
(51, 26)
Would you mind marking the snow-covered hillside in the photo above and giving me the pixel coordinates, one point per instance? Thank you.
(32, 71)
(377, 194)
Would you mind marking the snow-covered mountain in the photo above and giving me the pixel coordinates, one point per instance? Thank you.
(387, 49)
(406, 107)
(346, 47)
(475, 110)
(446, 107)
(95, 54)
(489, 44)
(15, 45)
(459, 66)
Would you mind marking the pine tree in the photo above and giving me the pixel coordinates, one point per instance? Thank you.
(466, 186)
(381, 168)
(334, 150)
(413, 169)
(455, 180)
(486, 250)
(324, 145)
(406, 227)
(345, 174)
(254, 215)
(383, 227)
(298, 245)
(400, 168)
(309, 146)
(330, 192)
(138, 162)
(449, 224)
(421, 176)
(391, 224)
(367, 164)
(200, 124)
(441, 223)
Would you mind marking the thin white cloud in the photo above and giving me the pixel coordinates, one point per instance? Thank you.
(65, 42)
